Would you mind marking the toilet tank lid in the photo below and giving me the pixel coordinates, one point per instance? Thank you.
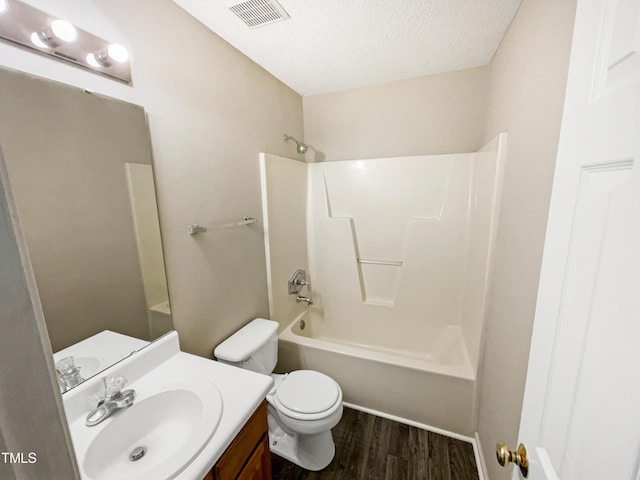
(246, 341)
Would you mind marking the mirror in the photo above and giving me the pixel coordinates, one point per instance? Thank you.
(81, 173)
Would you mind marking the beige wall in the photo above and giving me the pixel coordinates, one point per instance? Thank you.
(527, 79)
(422, 116)
(210, 115)
(211, 111)
(66, 151)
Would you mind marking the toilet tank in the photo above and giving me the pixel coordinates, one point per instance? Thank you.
(254, 347)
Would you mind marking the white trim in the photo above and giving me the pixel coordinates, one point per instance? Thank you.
(483, 474)
(406, 421)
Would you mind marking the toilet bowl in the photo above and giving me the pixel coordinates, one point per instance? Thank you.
(303, 406)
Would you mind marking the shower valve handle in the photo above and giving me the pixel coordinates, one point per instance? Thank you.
(297, 282)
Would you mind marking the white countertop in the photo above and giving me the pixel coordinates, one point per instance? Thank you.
(242, 392)
(105, 348)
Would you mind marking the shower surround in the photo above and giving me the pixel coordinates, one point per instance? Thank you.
(398, 255)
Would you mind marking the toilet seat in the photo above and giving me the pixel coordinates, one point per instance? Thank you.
(307, 395)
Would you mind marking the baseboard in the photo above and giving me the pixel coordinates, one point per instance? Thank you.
(477, 451)
(406, 421)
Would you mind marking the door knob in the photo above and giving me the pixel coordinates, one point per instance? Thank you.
(519, 457)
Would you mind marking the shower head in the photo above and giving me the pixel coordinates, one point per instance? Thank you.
(300, 147)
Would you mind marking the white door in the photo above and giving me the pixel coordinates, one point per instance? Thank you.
(581, 412)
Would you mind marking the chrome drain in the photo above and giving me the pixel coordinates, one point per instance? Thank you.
(137, 453)
(302, 324)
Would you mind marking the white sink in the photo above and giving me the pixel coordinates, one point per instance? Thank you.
(89, 366)
(186, 413)
(172, 425)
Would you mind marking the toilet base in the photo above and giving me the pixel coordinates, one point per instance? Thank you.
(311, 452)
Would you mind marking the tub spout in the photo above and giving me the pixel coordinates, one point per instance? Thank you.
(300, 298)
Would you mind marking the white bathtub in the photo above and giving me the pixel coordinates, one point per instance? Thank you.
(434, 387)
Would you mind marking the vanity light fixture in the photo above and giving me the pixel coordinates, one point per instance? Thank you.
(106, 56)
(28, 27)
(35, 39)
(92, 59)
(59, 32)
(64, 30)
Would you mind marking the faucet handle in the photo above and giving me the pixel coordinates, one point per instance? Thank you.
(113, 385)
(297, 282)
(68, 373)
(67, 366)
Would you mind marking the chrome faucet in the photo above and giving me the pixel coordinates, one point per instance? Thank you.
(300, 298)
(114, 401)
(296, 283)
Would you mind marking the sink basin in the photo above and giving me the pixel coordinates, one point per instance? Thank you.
(158, 436)
(89, 366)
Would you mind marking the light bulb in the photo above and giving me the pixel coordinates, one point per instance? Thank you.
(91, 60)
(35, 39)
(3, 6)
(64, 30)
(117, 53)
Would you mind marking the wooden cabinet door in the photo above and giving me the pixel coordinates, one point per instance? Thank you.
(258, 467)
(248, 457)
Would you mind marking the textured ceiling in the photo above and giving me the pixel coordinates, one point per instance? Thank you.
(331, 45)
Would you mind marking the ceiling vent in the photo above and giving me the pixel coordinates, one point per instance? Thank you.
(256, 13)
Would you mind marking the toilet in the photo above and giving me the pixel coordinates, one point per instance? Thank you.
(303, 406)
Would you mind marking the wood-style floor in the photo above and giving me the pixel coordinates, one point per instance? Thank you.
(374, 448)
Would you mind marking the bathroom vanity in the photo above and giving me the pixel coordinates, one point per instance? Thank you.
(192, 419)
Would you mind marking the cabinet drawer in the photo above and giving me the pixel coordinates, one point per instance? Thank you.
(236, 456)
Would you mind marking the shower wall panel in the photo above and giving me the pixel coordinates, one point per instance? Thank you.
(488, 169)
(388, 242)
